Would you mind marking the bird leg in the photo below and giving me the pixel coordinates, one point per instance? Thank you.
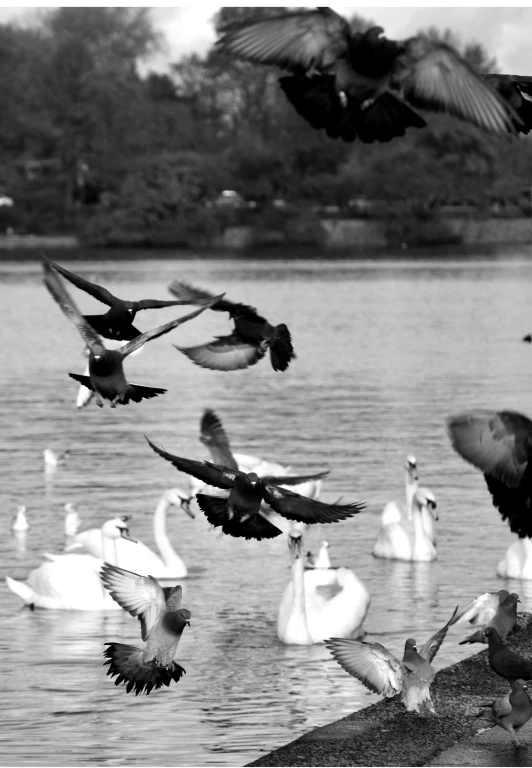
(99, 401)
(114, 401)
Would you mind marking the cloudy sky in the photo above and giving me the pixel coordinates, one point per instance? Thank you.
(504, 31)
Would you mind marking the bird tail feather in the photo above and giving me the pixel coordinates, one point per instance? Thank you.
(281, 349)
(476, 637)
(387, 118)
(136, 393)
(127, 663)
(255, 527)
(416, 697)
(82, 380)
(214, 508)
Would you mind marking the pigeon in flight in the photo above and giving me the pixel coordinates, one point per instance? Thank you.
(251, 338)
(162, 621)
(499, 443)
(117, 322)
(360, 84)
(106, 373)
(239, 513)
(380, 671)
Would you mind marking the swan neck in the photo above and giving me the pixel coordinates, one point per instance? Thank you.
(417, 519)
(168, 553)
(109, 549)
(298, 580)
(411, 488)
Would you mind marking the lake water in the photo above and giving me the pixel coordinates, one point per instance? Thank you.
(386, 350)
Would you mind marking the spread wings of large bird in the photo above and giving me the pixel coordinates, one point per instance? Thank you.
(499, 443)
(360, 84)
(515, 89)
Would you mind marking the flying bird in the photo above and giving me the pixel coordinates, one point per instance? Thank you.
(106, 373)
(162, 621)
(381, 672)
(499, 443)
(360, 84)
(239, 513)
(514, 89)
(251, 338)
(503, 620)
(505, 662)
(512, 711)
(117, 322)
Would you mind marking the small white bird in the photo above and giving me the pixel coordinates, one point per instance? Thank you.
(52, 459)
(20, 523)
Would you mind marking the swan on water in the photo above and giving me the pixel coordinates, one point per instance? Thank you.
(72, 581)
(517, 561)
(401, 539)
(313, 609)
(20, 522)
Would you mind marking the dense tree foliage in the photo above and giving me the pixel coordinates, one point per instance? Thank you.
(90, 145)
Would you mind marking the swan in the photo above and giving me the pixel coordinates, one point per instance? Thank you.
(400, 539)
(138, 557)
(322, 561)
(312, 611)
(517, 561)
(52, 460)
(20, 523)
(72, 520)
(72, 581)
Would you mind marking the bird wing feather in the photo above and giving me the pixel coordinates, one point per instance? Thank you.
(211, 474)
(371, 663)
(213, 435)
(293, 479)
(440, 79)
(141, 596)
(293, 506)
(190, 293)
(480, 610)
(497, 442)
(62, 297)
(432, 646)
(502, 706)
(227, 353)
(94, 290)
(292, 41)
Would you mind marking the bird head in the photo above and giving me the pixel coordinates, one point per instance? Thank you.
(253, 479)
(97, 351)
(184, 615)
(177, 498)
(295, 542)
(522, 684)
(117, 528)
(426, 499)
(411, 467)
(491, 633)
(72, 521)
(512, 599)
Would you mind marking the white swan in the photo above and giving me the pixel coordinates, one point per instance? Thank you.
(72, 581)
(138, 557)
(401, 539)
(20, 522)
(322, 561)
(517, 561)
(72, 520)
(52, 460)
(312, 611)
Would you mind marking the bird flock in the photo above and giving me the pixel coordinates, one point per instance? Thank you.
(352, 85)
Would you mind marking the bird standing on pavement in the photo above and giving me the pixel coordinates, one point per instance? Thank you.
(512, 711)
(360, 84)
(239, 513)
(252, 336)
(162, 622)
(106, 373)
(505, 662)
(380, 671)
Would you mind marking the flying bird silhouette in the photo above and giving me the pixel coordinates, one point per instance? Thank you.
(380, 671)
(504, 661)
(162, 621)
(500, 444)
(512, 711)
(252, 336)
(239, 513)
(117, 322)
(360, 84)
(106, 373)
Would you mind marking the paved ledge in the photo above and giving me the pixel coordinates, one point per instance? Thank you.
(386, 734)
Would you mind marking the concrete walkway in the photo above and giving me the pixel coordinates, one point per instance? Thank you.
(386, 734)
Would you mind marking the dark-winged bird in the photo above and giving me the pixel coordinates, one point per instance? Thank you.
(504, 661)
(512, 711)
(117, 323)
(360, 84)
(382, 672)
(106, 372)
(214, 436)
(162, 621)
(239, 513)
(514, 90)
(500, 444)
(252, 337)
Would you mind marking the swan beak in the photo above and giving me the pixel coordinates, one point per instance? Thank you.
(125, 534)
(185, 505)
(432, 507)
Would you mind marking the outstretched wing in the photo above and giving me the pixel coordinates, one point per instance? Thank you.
(293, 479)
(497, 442)
(65, 301)
(155, 304)
(227, 353)
(294, 41)
(441, 80)
(190, 293)
(371, 663)
(211, 474)
(304, 510)
(102, 294)
(214, 437)
(481, 609)
(139, 341)
(141, 596)
(432, 646)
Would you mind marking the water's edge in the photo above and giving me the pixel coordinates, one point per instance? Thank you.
(386, 734)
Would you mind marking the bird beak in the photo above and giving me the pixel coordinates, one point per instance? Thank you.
(185, 505)
(187, 622)
(125, 534)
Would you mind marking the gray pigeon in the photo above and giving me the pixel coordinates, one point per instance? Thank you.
(503, 620)
(380, 671)
(512, 711)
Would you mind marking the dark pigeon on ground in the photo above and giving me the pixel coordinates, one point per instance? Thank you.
(505, 662)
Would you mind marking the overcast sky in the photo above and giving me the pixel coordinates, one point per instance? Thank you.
(505, 32)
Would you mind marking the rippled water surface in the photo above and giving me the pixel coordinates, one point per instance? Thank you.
(385, 352)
